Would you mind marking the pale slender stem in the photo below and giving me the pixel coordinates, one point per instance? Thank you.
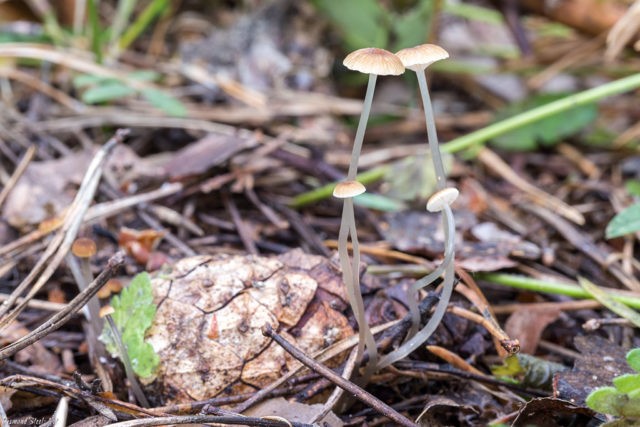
(363, 327)
(362, 125)
(345, 265)
(351, 279)
(449, 253)
(436, 158)
(447, 288)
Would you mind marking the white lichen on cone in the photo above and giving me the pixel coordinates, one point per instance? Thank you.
(211, 310)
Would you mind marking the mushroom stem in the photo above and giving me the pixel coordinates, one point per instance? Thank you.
(436, 158)
(425, 281)
(447, 288)
(362, 125)
(126, 362)
(351, 278)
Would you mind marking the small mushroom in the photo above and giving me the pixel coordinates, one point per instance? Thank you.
(83, 249)
(348, 189)
(417, 59)
(442, 198)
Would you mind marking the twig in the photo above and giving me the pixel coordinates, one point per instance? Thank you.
(337, 393)
(38, 304)
(60, 318)
(499, 166)
(348, 386)
(201, 419)
(511, 346)
(241, 226)
(321, 356)
(17, 173)
(584, 244)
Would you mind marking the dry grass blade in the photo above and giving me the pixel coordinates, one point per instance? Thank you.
(61, 243)
(499, 166)
(17, 173)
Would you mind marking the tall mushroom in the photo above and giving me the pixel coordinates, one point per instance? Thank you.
(372, 61)
(375, 62)
(418, 58)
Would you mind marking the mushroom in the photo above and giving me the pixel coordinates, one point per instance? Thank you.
(375, 62)
(372, 61)
(347, 190)
(440, 201)
(418, 58)
(83, 249)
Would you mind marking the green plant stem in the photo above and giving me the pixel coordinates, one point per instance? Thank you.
(586, 97)
(325, 191)
(535, 285)
(436, 158)
(151, 12)
(483, 135)
(362, 125)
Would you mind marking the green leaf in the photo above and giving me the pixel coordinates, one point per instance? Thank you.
(134, 314)
(412, 28)
(545, 132)
(633, 359)
(606, 400)
(85, 80)
(633, 187)
(631, 408)
(361, 22)
(625, 222)
(107, 91)
(627, 383)
(144, 75)
(165, 102)
(510, 367)
(379, 202)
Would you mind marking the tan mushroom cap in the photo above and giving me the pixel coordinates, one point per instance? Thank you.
(372, 60)
(106, 310)
(84, 247)
(347, 189)
(420, 57)
(442, 198)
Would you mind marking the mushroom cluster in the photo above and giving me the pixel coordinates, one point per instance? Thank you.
(374, 62)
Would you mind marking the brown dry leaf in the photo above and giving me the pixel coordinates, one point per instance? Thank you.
(37, 355)
(48, 187)
(199, 156)
(293, 412)
(549, 411)
(421, 232)
(207, 330)
(527, 326)
(43, 191)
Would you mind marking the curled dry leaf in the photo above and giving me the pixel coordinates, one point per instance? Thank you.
(211, 310)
